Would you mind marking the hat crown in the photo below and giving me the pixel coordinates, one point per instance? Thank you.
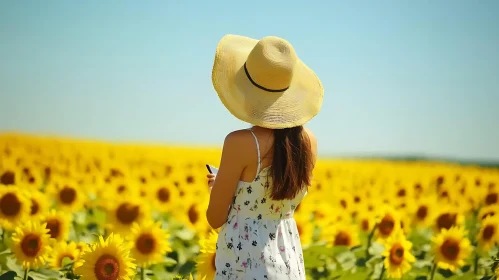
(271, 63)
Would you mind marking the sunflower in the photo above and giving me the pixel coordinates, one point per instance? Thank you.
(488, 235)
(39, 203)
(14, 207)
(451, 248)
(205, 262)
(366, 221)
(340, 234)
(31, 244)
(305, 229)
(489, 210)
(61, 251)
(398, 257)
(448, 217)
(150, 243)
(107, 259)
(58, 223)
(68, 195)
(124, 212)
(424, 212)
(9, 175)
(388, 222)
(193, 216)
(165, 196)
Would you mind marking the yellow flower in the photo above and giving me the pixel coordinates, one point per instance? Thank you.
(58, 223)
(424, 211)
(150, 243)
(165, 196)
(489, 233)
(451, 248)
(39, 203)
(448, 217)
(14, 207)
(31, 244)
(61, 251)
(124, 212)
(205, 262)
(341, 234)
(398, 257)
(107, 259)
(305, 229)
(68, 195)
(9, 174)
(388, 222)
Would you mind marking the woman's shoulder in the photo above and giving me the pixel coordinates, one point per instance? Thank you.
(239, 138)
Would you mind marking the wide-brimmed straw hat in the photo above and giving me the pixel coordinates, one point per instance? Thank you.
(264, 83)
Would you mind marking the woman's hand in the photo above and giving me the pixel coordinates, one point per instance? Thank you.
(211, 180)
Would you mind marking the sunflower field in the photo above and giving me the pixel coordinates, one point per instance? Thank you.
(73, 209)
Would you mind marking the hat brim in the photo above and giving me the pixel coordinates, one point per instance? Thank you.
(276, 110)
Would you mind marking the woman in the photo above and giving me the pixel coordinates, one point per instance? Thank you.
(265, 170)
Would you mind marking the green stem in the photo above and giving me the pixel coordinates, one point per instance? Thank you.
(142, 273)
(369, 241)
(382, 272)
(476, 263)
(433, 271)
(26, 274)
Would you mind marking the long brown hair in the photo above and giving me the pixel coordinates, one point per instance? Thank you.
(292, 162)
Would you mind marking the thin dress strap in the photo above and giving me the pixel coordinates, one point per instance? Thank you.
(258, 151)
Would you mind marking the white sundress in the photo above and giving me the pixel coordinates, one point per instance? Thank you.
(260, 238)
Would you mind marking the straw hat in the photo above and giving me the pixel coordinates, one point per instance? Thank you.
(264, 83)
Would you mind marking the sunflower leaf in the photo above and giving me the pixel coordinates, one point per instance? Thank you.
(169, 261)
(8, 275)
(376, 249)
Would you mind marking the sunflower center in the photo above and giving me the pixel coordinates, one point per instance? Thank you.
(343, 203)
(107, 267)
(115, 172)
(446, 221)
(31, 244)
(127, 213)
(386, 225)
(35, 207)
(163, 194)
(342, 239)
(121, 189)
(193, 214)
(450, 249)
(491, 198)
(487, 214)
(401, 193)
(54, 227)
(364, 225)
(145, 243)
(8, 178)
(67, 195)
(397, 254)
(10, 205)
(488, 232)
(422, 212)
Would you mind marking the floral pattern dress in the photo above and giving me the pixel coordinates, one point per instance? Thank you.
(260, 239)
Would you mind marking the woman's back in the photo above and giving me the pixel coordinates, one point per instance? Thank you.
(260, 233)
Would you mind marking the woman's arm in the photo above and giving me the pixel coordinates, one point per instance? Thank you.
(231, 167)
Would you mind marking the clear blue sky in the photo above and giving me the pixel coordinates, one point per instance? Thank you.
(400, 77)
